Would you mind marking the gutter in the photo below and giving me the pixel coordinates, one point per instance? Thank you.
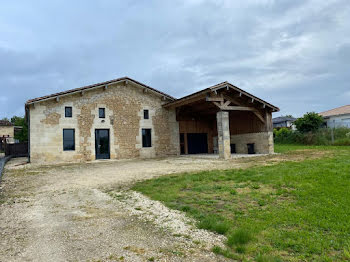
(28, 122)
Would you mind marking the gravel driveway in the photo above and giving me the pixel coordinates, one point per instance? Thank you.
(65, 213)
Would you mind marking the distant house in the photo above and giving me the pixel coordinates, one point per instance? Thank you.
(7, 129)
(7, 132)
(284, 121)
(337, 117)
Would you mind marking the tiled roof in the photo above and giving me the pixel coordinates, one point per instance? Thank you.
(5, 123)
(222, 85)
(173, 100)
(336, 111)
(96, 85)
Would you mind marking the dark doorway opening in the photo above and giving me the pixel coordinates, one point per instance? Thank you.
(197, 143)
(182, 143)
(102, 143)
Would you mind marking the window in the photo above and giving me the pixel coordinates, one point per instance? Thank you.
(145, 114)
(68, 112)
(146, 138)
(101, 113)
(68, 139)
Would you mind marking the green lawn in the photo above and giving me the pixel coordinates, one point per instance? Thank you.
(289, 211)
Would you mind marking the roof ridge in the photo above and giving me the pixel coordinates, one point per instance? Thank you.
(96, 85)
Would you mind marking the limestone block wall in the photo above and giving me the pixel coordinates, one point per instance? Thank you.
(263, 142)
(124, 105)
(223, 127)
(7, 131)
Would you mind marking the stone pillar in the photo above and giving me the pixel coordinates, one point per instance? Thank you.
(224, 147)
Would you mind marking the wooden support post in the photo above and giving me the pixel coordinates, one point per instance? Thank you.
(268, 121)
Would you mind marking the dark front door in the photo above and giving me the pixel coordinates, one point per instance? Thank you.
(102, 143)
(197, 143)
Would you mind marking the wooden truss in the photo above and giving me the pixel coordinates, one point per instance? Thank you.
(224, 102)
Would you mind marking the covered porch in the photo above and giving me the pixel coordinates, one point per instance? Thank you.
(224, 120)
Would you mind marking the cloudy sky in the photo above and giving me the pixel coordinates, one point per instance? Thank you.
(292, 53)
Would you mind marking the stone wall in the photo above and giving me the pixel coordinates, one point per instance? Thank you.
(124, 105)
(7, 131)
(263, 142)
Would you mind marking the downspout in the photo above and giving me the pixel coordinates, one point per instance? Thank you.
(28, 123)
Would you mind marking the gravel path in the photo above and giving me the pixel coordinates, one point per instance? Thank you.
(62, 213)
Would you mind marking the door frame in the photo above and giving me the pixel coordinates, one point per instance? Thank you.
(109, 144)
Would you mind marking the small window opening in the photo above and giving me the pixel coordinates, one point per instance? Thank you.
(101, 113)
(68, 112)
(145, 114)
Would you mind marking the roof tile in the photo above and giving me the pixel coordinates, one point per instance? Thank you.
(336, 111)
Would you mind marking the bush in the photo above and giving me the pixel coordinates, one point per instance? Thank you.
(321, 136)
(342, 142)
(287, 136)
(309, 122)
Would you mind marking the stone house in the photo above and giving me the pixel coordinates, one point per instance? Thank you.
(124, 118)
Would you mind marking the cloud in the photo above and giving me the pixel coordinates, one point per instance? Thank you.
(291, 53)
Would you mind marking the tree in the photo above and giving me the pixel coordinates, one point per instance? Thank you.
(309, 122)
(5, 119)
(21, 135)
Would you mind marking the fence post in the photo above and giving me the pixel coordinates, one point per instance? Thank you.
(332, 135)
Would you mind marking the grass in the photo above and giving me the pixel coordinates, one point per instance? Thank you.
(289, 211)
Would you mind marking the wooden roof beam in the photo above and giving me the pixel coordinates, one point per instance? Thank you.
(261, 118)
(234, 108)
(214, 99)
(234, 101)
(239, 94)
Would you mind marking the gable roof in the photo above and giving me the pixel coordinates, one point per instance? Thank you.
(336, 111)
(5, 123)
(219, 86)
(174, 101)
(106, 83)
